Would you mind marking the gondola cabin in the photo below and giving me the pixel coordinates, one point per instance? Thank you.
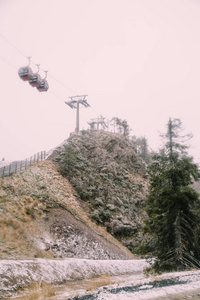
(43, 85)
(35, 80)
(25, 73)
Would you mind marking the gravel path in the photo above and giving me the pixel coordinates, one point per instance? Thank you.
(172, 286)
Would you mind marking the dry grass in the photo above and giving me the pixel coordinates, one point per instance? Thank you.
(71, 289)
(75, 288)
(37, 291)
(95, 283)
(25, 197)
(43, 290)
(13, 240)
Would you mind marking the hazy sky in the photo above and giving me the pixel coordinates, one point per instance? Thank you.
(138, 60)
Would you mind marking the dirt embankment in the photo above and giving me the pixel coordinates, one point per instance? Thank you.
(40, 216)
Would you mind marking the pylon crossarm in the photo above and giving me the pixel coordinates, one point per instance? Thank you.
(71, 104)
(85, 103)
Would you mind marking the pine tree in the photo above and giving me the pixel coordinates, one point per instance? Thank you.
(122, 126)
(68, 161)
(142, 148)
(173, 218)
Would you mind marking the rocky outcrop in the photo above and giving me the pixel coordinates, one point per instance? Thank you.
(110, 179)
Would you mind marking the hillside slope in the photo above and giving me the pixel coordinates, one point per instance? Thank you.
(40, 216)
(110, 179)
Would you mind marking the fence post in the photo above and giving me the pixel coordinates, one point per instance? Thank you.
(3, 171)
(9, 171)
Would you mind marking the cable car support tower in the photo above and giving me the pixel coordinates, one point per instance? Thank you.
(74, 103)
(95, 124)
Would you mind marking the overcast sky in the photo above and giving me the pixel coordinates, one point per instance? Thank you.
(138, 60)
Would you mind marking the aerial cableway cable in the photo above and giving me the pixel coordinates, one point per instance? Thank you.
(27, 74)
(7, 62)
(35, 79)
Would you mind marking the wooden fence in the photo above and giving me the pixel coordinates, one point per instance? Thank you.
(19, 165)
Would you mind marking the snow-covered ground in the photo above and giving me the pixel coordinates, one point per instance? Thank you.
(15, 274)
(152, 288)
(128, 276)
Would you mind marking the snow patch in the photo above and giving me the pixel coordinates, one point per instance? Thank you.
(15, 274)
(183, 282)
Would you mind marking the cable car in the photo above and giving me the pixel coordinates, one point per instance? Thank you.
(34, 81)
(36, 78)
(26, 73)
(43, 84)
